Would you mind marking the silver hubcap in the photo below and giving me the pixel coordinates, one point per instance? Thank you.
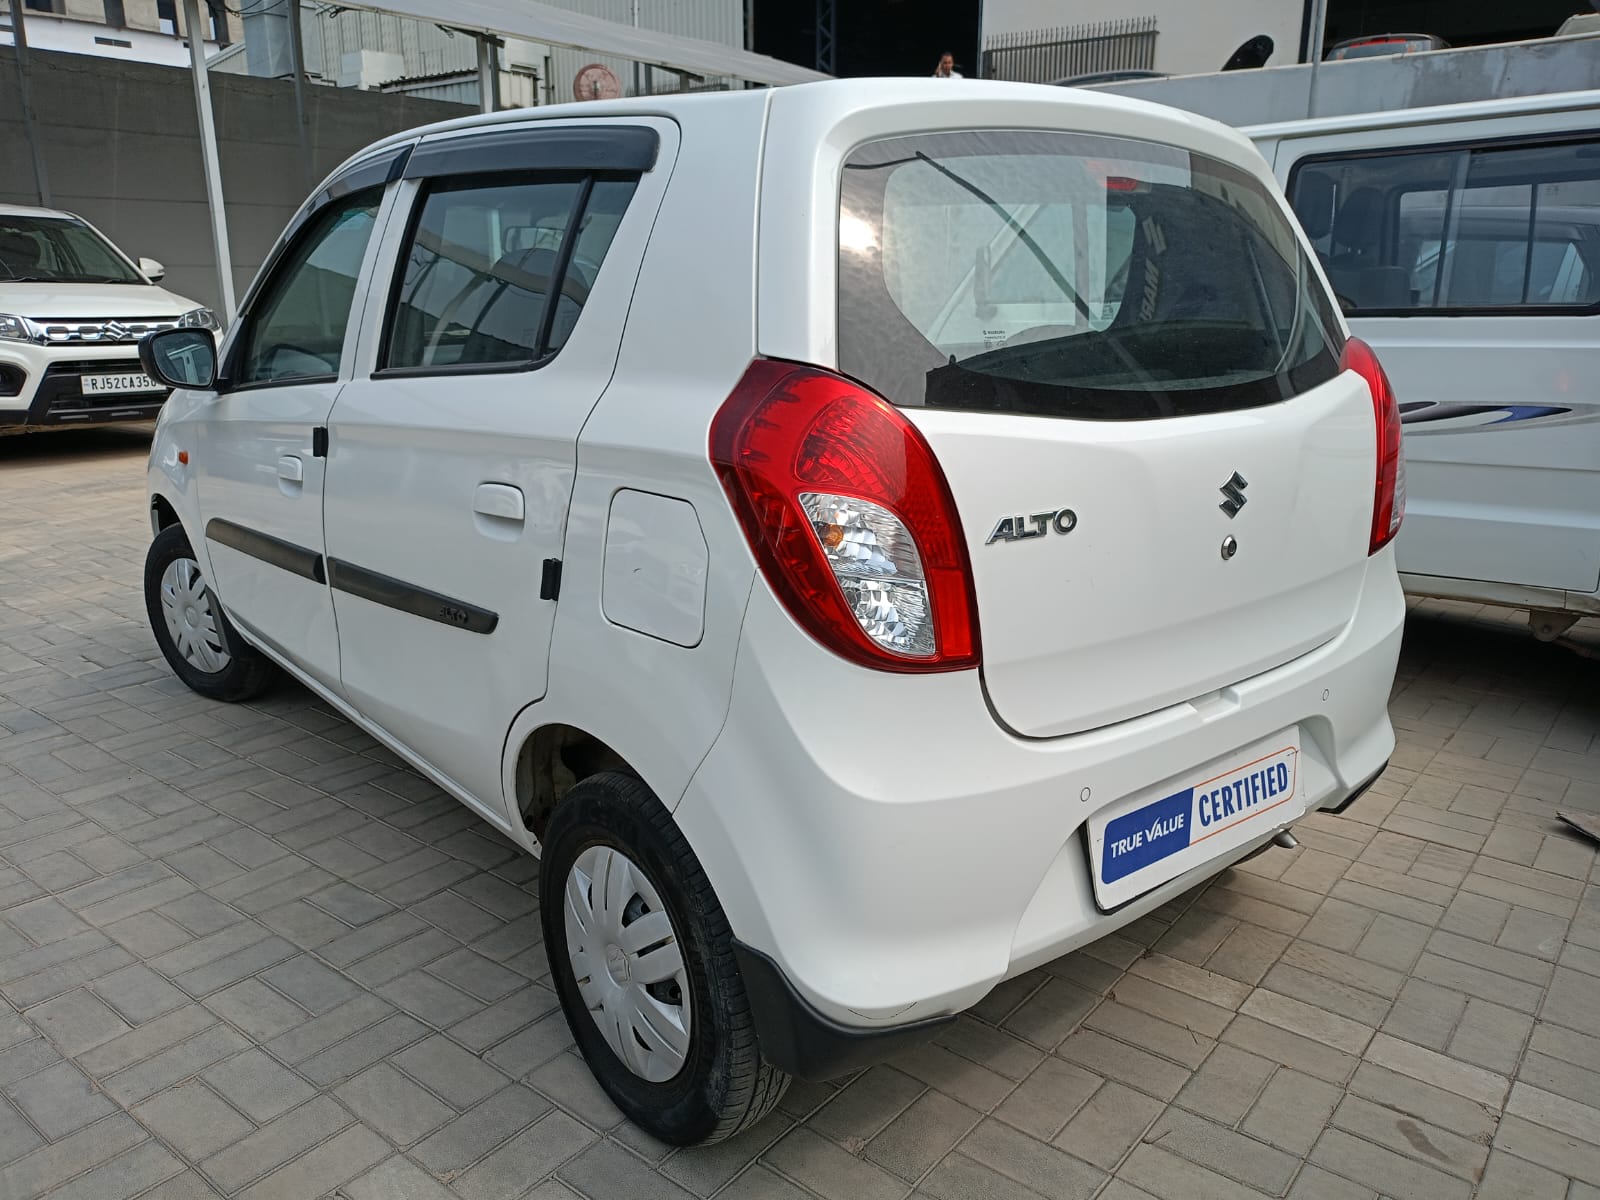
(191, 618)
(628, 963)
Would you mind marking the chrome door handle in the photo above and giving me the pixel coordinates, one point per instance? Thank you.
(291, 469)
(499, 500)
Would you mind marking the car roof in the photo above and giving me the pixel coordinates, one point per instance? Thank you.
(23, 210)
(829, 97)
(1438, 114)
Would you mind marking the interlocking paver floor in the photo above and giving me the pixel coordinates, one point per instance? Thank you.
(245, 952)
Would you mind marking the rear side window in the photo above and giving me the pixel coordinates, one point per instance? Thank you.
(1485, 229)
(486, 255)
(1072, 275)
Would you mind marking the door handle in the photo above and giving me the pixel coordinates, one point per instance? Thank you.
(290, 468)
(499, 500)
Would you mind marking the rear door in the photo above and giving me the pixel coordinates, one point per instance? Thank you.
(451, 456)
(1130, 374)
(1470, 259)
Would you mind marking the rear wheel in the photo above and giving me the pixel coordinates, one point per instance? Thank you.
(199, 643)
(643, 961)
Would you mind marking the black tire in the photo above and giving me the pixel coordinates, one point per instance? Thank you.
(724, 1086)
(247, 672)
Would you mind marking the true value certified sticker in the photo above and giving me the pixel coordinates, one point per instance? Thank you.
(1139, 846)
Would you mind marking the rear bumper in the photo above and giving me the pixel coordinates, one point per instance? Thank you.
(40, 386)
(896, 853)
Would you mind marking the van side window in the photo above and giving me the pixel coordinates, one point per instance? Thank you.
(295, 331)
(485, 255)
(1488, 229)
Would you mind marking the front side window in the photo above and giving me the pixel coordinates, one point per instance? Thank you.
(1072, 275)
(1486, 229)
(58, 250)
(485, 257)
(295, 330)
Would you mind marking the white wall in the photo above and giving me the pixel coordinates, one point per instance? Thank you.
(1192, 35)
(46, 32)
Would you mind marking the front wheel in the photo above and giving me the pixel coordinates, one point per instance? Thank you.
(643, 962)
(199, 643)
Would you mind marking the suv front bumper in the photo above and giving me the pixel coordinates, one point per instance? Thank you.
(46, 390)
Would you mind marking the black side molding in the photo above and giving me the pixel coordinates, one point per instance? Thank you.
(807, 1044)
(295, 559)
(408, 598)
(1361, 790)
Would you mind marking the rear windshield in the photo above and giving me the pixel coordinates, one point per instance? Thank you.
(1070, 275)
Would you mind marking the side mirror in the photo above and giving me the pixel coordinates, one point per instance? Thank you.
(180, 358)
(152, 270)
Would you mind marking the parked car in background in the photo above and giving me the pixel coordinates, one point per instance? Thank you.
(1093, 78)
(870, 538)
(72, 310)
(1463, 243)
(1378, 45)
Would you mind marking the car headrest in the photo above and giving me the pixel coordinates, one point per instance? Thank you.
(19, 251)
(1359, 222)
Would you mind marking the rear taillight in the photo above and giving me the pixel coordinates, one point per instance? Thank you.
(1389, 492)
(850, 518)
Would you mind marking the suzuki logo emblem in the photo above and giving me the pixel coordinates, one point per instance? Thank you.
(114, 331)
(1234, 491)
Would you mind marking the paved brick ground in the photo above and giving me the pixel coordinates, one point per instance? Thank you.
(244, 952)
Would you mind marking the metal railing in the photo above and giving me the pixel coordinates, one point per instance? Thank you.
(1046, 55)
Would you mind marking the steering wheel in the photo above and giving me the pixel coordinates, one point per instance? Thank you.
(268, 357)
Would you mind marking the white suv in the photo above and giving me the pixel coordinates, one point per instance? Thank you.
(870, 538)
(72, 310)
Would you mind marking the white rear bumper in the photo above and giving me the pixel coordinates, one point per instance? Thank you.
(899, 854)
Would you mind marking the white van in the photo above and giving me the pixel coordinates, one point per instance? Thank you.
(1463, 243)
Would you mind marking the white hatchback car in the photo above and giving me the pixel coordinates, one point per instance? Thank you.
(72, 310)
(870, 538)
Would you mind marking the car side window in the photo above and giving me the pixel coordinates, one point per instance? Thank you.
(1497, 228)
(483, 260)
(295, 331)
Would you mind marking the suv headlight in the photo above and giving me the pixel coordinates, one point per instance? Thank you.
(17, 329)
(200, 318)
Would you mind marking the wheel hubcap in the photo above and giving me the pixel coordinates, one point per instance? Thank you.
(628, 963)
(191, 617)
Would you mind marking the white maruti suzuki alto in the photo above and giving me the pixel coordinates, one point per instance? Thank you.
(868, 538)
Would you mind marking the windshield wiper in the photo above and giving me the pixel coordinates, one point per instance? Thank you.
(1017, 228)
(29, 279)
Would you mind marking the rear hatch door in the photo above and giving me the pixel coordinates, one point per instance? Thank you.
(1128, 370)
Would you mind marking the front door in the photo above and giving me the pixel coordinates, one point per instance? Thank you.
(452, 456)
(260, 474)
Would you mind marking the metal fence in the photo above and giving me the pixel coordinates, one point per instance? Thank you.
(1045, 55)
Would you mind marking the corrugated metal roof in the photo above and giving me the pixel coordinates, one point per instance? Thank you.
(545, 23)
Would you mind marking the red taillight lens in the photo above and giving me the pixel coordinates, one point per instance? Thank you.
(1389, 492)
(849, 516)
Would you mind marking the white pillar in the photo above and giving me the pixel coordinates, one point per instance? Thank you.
(19, 39)
(297, 70)
(208, 154)
(488, 74)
